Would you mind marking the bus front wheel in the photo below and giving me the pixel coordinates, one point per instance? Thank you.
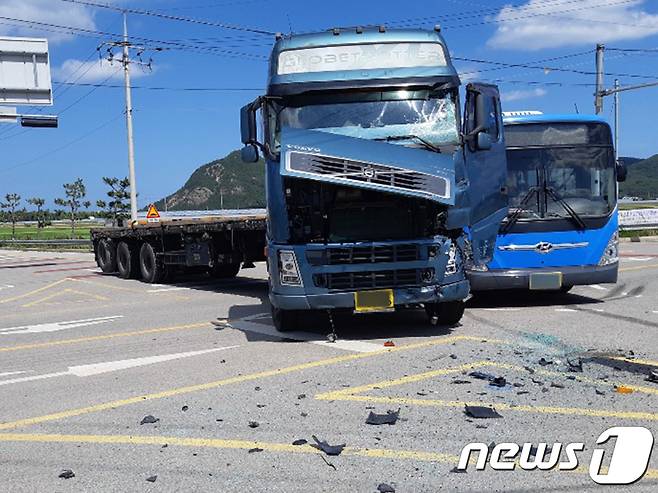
(448, 313)
(285, 320)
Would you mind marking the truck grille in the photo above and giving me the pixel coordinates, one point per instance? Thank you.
(368, 280)
(364, 172)
(364, 255)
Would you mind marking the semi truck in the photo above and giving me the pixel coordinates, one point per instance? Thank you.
(562, 227)
(373, 173)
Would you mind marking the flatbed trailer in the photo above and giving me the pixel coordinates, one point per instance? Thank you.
(153, 250)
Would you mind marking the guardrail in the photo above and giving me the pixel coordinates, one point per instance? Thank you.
(45, 243)
(638, 219)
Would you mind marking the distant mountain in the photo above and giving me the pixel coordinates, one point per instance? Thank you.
(630, 161)
(227, 182)
(642, 180)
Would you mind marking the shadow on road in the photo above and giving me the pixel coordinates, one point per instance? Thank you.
(522, 298)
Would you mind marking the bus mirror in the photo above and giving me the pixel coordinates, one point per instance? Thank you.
(249, 153)
(484, 141)
(621, 172)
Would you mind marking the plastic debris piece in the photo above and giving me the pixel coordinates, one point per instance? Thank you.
(599, 392)
(184, 408)
(622, 389)
(653, 376)
(390, 418)
(301, 396)
(545, 362)
(575, 366)
(66, 474)
(254, 450)
(480, 375)
(327, 462)
(326, 448)
(253, 424)
(385, 488)
(453, 356)
(498, 382)
(152, 479)
(538, 382)
(389, 344)
(460, 382)
(149, 419)
(522, 392)
(557, 385)
(301, 441)
(481, 412)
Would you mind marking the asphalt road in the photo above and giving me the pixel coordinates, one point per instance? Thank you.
(85, 357)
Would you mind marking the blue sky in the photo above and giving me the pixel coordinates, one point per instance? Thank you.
(176, 131)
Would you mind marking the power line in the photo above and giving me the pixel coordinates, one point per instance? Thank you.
(160, 88)
(172, 17)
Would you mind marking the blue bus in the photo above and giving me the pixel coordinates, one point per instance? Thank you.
(562, 226)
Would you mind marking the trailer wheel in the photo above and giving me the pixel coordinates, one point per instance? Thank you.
(127, 261)
(106, 255)
(152, 270)
(285, 320)
(225, 271)
(448, 313)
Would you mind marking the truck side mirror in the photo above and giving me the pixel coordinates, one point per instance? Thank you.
(621, 172)
(248, 124)
(483, 141)
(249, 153)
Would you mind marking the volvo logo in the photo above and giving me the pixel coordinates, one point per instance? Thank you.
(368, 172)
(544, 247)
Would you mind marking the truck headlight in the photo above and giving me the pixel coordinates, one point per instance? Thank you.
(288, 269)
(611, 252)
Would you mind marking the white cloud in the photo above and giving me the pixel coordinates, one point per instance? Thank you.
(94, 71)
(469, 74)
(586, 22)
(49, 12)
(509, 96)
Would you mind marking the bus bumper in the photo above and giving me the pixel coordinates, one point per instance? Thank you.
(403, 296)
(520, 278)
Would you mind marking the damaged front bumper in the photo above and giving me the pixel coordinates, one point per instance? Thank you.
(455, 291)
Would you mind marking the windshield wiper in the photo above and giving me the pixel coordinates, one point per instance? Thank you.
(519, 210)
(428, 145)
(574, 215)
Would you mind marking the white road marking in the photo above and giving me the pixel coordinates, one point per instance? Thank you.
(55, 326)
(6, 286)
(10, 373)
(565, 310)
(165, 290)
(310, 337)
(654, 311)
(598, 310)
(110, 366)
(502, 309)
(597, 286)
(638, 259)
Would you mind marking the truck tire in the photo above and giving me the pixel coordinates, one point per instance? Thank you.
(127, 261)
(448, 313)
(285, 320)
(151, 269)
(106, 255)
(225, 271)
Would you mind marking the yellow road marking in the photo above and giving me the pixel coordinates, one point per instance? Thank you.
(639, 267)
(36, 291)
(376, 453)
(499, 406)
(64, 291)
(39, 345)
(644, 362)
(109, 286)
(227, 381)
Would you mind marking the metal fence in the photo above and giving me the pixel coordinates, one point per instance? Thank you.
(638, 219)
(46, 243)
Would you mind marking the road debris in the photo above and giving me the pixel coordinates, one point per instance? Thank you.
(327, 462)
(390, 418)
(254, 450)
(301, 396)
(254, 424)
(599, 392)
(385, 488)
(149, 419)
(152, 479)
(653, 376)
(622, 389)
(557, 385)
(66, 474)
(458, 381)
(326, 448)
(544, 362)
(529, 370)
(480, 375)
(481, 412)
(300, 441)
(184, 408)
(575, 366)
(498, 382)
(389, 344)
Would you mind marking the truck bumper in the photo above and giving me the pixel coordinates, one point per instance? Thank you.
(520, 278)
(403, 296)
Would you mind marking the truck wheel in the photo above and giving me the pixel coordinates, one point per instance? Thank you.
(152, 270)
(127, 261)
(225, 271)
(285, 320)
(106, 255)
(448, 313)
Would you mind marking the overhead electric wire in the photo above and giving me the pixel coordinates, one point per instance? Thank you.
(161, 88)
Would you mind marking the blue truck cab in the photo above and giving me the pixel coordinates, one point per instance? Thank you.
(373, 172)
(562, 225)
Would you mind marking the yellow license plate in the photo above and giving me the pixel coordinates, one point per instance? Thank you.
(546, 280)
(374, 301)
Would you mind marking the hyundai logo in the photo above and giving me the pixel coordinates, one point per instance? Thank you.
(544, 247)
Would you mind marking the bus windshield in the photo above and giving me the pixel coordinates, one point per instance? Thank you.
(425, 114)
(543, 178)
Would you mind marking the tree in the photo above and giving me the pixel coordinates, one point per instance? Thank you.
(11, 206)
(38, 202)
(74, 192)
(117, 206)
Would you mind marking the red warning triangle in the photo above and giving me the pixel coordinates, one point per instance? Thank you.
(152, 212)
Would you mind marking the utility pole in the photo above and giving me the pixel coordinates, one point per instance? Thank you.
(129, 120)
(616, 120)
(598, 96)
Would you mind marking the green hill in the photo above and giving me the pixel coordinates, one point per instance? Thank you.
(642, 180)
(226, 182)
